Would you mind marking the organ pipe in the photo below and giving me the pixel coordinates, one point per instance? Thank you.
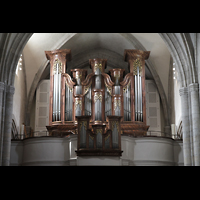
(141, 117)
(136, 99)
(138, 90)
(57, 93)
(138, 96)
(58, 65)
(54, 97)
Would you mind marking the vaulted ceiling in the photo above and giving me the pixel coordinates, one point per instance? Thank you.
(89, 45)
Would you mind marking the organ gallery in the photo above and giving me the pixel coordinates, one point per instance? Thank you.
(97, 106)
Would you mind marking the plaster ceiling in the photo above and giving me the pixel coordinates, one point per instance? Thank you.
(86, 43)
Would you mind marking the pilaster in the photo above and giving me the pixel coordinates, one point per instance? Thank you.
(195, 114)
(2, 86)
(7, 125)
(167, 130)
(186, 126)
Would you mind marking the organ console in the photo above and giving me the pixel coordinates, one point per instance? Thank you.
(99, 106)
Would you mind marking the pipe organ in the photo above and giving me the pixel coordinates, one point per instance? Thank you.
(99, 106)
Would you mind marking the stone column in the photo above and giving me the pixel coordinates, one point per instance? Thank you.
(7, 125)
(1, 110)
(167, 131)
(186, 126)
(194, 94)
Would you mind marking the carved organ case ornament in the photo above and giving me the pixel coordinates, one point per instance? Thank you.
(99, 107)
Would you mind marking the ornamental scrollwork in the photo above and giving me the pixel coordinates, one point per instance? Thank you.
(70, 88)
(83, 123)
(117, 102)
(113, 123)
(126, 87)
(58, 64)
(86, 89)
(137, 63)
(99, 131)
(98, 65)
(97, 96)
(78, 102)
(108, 87)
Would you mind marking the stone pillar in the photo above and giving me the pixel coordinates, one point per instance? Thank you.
(1, 114)
(167, 131)
(186, 126)
(7, 125)
(194, 94)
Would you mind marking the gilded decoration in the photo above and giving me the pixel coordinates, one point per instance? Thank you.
(113, 123)
(117, 102)
(108, 87)
(97, 96)
(86, 88)
(99, 131)
(117, 75)
(70, 88)
(78, 102)
(127, 86)
(83, 123)
(98, 65)
(91, 137)
(107, 137)
(58, 64)
(137, 63)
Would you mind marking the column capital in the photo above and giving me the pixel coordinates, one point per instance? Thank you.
(194, 87)
(183, 91)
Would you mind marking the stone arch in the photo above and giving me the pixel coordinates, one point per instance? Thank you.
(14, 43)
(190, 56)
(136, 44)
(11, 50)
(181, 49)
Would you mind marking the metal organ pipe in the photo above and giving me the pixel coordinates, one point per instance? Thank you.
(138, 89)
(138, 96)
(56, 91)
(59, 89)
(54, 97)
(57, 95)
(141, 99)
(129, 104)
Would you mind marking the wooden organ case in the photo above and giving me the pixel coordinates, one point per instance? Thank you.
(99, 107)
